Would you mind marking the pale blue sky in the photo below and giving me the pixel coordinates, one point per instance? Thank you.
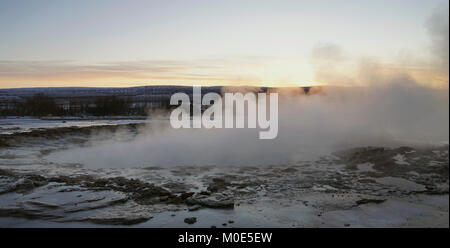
(102, 31)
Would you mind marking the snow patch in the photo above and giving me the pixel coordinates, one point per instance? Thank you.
(400, 159)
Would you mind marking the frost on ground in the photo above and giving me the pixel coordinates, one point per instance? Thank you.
(360, 187)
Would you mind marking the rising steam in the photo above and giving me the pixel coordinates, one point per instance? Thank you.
(379, 110)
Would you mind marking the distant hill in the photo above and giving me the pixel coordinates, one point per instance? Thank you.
(95, 101)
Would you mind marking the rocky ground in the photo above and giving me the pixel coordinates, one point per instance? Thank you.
(361, 187)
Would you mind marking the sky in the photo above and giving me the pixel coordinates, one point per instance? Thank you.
(118, 43)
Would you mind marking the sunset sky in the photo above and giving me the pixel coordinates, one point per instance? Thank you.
(274, 43)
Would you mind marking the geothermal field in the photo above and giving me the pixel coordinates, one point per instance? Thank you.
(342, 158)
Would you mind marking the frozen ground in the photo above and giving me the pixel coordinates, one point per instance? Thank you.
(361, 187)
(10, 125)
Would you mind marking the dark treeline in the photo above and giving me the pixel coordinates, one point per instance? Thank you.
(42, 105)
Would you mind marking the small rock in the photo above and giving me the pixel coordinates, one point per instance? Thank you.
(186, 195)
(191, 220)
(289, 170)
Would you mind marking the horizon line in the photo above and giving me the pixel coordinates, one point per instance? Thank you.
(159, 85)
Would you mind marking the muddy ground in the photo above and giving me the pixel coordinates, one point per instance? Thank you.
(361, 187)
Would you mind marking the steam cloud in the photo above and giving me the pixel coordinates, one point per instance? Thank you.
(438, 28)
(400, 113)
(388, 110)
